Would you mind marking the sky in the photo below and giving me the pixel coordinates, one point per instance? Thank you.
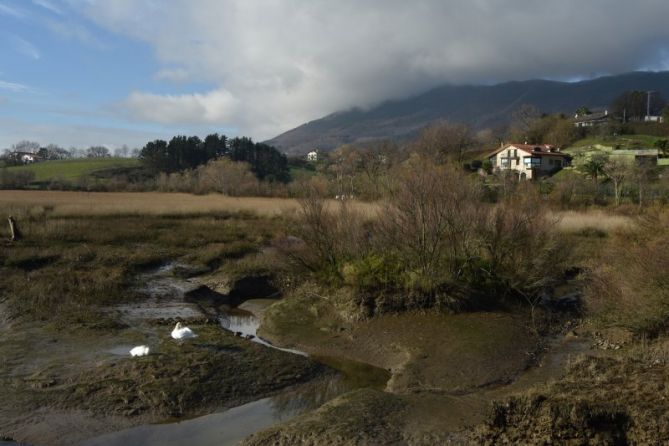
(113, 72)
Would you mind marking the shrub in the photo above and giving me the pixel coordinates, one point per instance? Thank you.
(430, 222)
(15, 180)
(524, 254)
(631, 288)
(434, 243)
(333, 232)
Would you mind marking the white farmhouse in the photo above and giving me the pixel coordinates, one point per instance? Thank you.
(312, 156)
(528, 160)
(25, 157)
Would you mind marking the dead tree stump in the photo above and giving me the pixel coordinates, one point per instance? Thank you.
(14, 229)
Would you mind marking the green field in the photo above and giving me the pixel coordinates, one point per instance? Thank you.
(74, 169)
(625, 146)
(622, 142)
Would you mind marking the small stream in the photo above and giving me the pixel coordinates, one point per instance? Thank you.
(233, 425)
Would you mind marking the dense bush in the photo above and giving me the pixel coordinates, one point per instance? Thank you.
(15, 180)
(433, 243)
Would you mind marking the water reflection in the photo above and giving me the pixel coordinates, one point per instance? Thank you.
(245, 323)
(233, 425)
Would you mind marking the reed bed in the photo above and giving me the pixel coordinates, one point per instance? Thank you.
(572, 221)
(67, 203)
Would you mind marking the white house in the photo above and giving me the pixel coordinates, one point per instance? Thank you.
(528, 160)
(25, 157)
(592, 119)
(312, 156)
(650, 118)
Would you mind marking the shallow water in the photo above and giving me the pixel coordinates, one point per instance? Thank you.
(230, 426)
(246, 324)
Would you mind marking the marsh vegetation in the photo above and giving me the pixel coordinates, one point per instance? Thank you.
(455, 292)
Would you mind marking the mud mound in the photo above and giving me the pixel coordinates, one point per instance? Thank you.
(603, 401)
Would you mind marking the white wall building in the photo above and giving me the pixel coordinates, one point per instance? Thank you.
(528, 160)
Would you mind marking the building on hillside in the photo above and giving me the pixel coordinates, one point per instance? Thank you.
(312, 156)
(592, 119)
(641, 157)
(528, 160)
(24, 157)
(650, 118)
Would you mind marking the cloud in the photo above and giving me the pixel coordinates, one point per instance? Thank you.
(14, 87)
(176, 75)
(210, 108)
(26, 48)
(12, 11)
(74, 31)
(275, 64)
(46, 4)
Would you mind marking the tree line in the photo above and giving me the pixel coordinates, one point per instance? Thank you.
(55, 152)
(189, 152)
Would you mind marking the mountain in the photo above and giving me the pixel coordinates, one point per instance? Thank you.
(480, 106)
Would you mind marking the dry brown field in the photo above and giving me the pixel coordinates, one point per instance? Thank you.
(64, 203)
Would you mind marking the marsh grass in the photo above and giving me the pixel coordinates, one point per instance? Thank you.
(69, 266)
(629, 287)
(597, 220)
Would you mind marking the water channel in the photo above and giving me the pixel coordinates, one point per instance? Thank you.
(230, 426)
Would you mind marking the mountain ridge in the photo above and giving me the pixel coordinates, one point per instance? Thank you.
(481, 106)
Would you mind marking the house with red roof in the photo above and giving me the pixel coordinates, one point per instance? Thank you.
(528, 160)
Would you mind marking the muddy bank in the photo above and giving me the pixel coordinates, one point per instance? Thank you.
(230, 426)
(423, 351)
(446, 370)
(105, 392)
(365, 416)
(63, 386)
(599, 401)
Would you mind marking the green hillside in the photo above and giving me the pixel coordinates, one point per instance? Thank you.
(625, 146)
(74, 169)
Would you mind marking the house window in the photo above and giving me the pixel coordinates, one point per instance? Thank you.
(531, 162)
(504, 162)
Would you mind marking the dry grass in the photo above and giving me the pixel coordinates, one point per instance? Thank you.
(150, 203)
(572, 221)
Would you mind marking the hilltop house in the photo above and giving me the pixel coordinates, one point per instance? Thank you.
(591, 119)
(312, 156)
(528, 160)
(24, 157)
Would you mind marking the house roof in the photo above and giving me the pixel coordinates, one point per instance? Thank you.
(596, 116)
(26, 153)
(532, 149)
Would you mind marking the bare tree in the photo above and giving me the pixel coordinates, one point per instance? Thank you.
(430, 220)
(375, 162)
(443, 140)
(345, 161)
(525, 117)
(54, 152)
(97, 152)
(26, 146)
(121, 152)
(616, 171)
